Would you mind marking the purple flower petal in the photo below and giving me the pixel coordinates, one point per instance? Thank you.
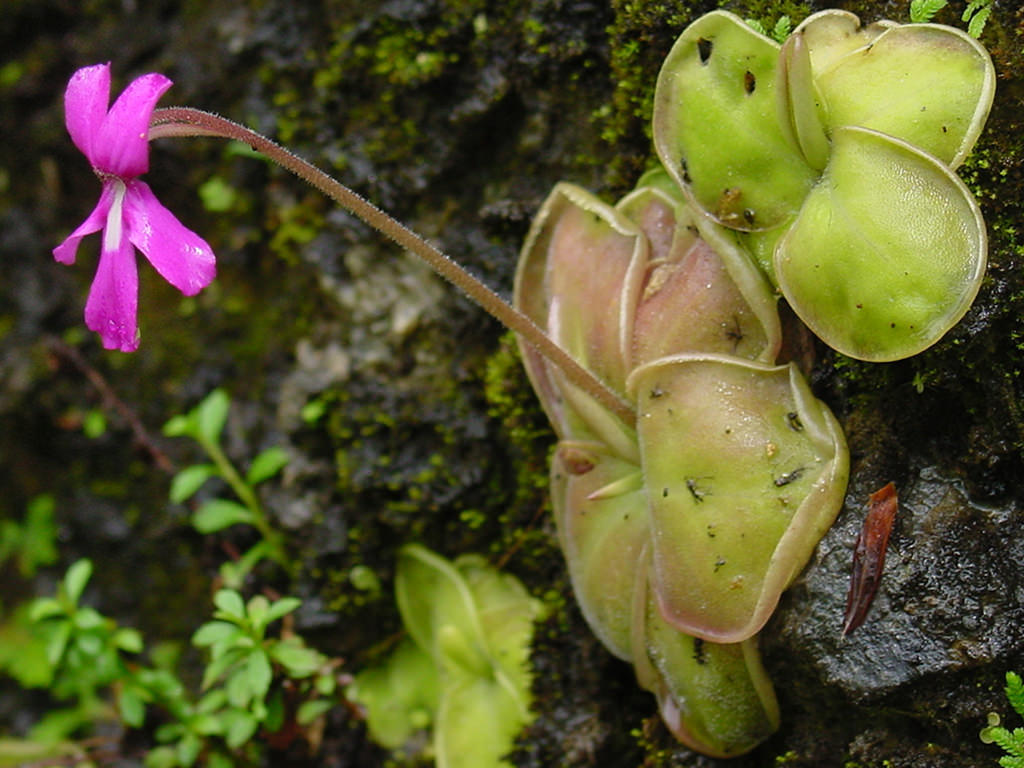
(181, 256)
(85, 105)
(113, 298)
(94, 222)
(121, 145)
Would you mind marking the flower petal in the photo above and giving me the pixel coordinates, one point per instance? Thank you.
(85, 105)
(113, 298)
(65, 252)
(181, 256)
(121, 145)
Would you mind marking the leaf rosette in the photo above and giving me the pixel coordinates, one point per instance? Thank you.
(834, 155)
(670, 311)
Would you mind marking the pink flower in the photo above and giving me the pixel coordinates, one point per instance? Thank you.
(116, 142)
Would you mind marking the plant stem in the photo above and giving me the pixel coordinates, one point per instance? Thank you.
(248, 497)
(185, 121)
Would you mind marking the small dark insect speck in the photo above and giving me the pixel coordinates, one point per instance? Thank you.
(793, 419)
(734, 332)
(664, 493)
(698, 651)
(944, 129)
(704, 47)
(719, 563)
(695, 490)
(657, 392)
(748, 215)
(685, 169)
(749, 81)
(789, 477)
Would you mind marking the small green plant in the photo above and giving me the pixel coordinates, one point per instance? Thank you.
(923, 11)
(244, 684)
(976, 14)
(86, 653)
(779, 32)
(253, 681)
(204, 424)
(1012, 742)
(32, 542)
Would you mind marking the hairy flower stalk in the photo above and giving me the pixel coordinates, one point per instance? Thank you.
(185, 121)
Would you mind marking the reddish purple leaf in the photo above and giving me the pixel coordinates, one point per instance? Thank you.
(869, 556)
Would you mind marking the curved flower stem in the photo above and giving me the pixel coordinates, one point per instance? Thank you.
(185, 121)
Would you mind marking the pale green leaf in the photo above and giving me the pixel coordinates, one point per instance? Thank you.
(217, 514)
(266, 465)
(211, 415)
(189, 480)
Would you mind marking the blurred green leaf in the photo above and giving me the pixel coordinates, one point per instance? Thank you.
(266, 465)
(211, 415)
(129, 640)
(298, 660)
(45, 608)
(181, 426)
(160, 757)
(217, 514)
(311, 710)
(189, 480)
(257, 609)
(230, 602)
(75, 580)
(131, 707)
(213, 632)
(259, 673)
(282, 607)
(240, 728)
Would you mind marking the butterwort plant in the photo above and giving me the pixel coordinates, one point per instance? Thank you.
(695, 471)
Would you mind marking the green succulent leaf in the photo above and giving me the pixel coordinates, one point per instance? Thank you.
(715, 698)
(716, 127)
(735, 514)
(298, 660)
(931, 86)
(230, 602)
(592, 259)
(259, 673)
(281, 608)
(888, 251)
(600, 506)
(701, 292)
